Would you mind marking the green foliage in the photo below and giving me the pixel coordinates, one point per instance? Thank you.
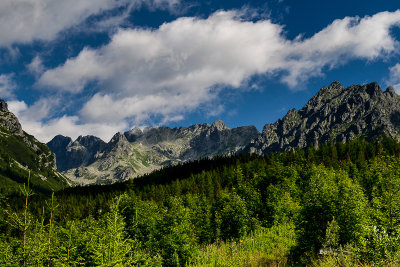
(231, 217)
(108, 243)
(174, 238)
(17, 159)
(263, 247)
(332, 235)
(247, 210)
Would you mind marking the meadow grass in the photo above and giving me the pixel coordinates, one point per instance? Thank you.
(263, 247)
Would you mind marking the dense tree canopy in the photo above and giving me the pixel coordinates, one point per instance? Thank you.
(281, 207)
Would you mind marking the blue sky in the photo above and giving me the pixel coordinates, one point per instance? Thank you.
(102, 66)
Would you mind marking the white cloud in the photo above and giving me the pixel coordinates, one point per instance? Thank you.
(350, 38)
(16, 107)
(36, 66)
(70, 126)
(182, 64)
(7, 86)
(170, 70)
(394, 79)
(23, 21)
(30, 118)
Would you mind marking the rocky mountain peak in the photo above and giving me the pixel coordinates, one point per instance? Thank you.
(335, 85)
(335, 113)
(60, 142)
(372, 89)
(135, 130)
(219, 125)
(89, 141)
(9, 120)
(133, 134)
(3, 105)
(118, 138)
(390, 91)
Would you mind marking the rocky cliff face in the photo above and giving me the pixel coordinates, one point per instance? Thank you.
(89, 160)
(72, 154)
(9, 120)
(334, 113)
(21, 152)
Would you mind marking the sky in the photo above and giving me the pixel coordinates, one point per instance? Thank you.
(98, 67)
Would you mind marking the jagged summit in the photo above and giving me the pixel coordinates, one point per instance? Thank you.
(9, 120)
(3, 105)
(219, 125)
(390, 91)
(139, 151)
(335, 113)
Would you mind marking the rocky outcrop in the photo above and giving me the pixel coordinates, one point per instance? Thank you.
(21, 152)
(9, 120)
(335, 113)
(72, 154)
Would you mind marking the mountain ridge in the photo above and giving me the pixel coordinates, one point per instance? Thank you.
(336, 113)
(137, 152)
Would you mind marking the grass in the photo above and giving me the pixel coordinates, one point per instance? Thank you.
(340, 260)
(141, 158)
(264, 247)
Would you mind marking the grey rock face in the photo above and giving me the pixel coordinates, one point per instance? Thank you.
(334, 113)
(9, 120)
(72, 154)
(58, 145)
(89, 160)
(3, 105)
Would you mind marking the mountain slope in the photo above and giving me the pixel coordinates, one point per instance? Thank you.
(20, 153)
(89, 160)
(335, 113)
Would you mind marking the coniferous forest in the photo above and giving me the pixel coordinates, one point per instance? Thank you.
(335, 205)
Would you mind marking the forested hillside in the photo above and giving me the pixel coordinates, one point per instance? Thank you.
(338, 204)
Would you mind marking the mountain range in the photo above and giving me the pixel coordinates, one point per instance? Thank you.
(89, 160)
(336, 113)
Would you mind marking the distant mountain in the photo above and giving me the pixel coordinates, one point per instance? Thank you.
(335, 113)
(73, 154)
(89, 160)
(21, 153)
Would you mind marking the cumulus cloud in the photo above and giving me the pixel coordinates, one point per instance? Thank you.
(17, 107)
(31, 20)
(36, 66)
(70, 126)
(7, 86)
(30, 119)
(345, 39)
(184, 64)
